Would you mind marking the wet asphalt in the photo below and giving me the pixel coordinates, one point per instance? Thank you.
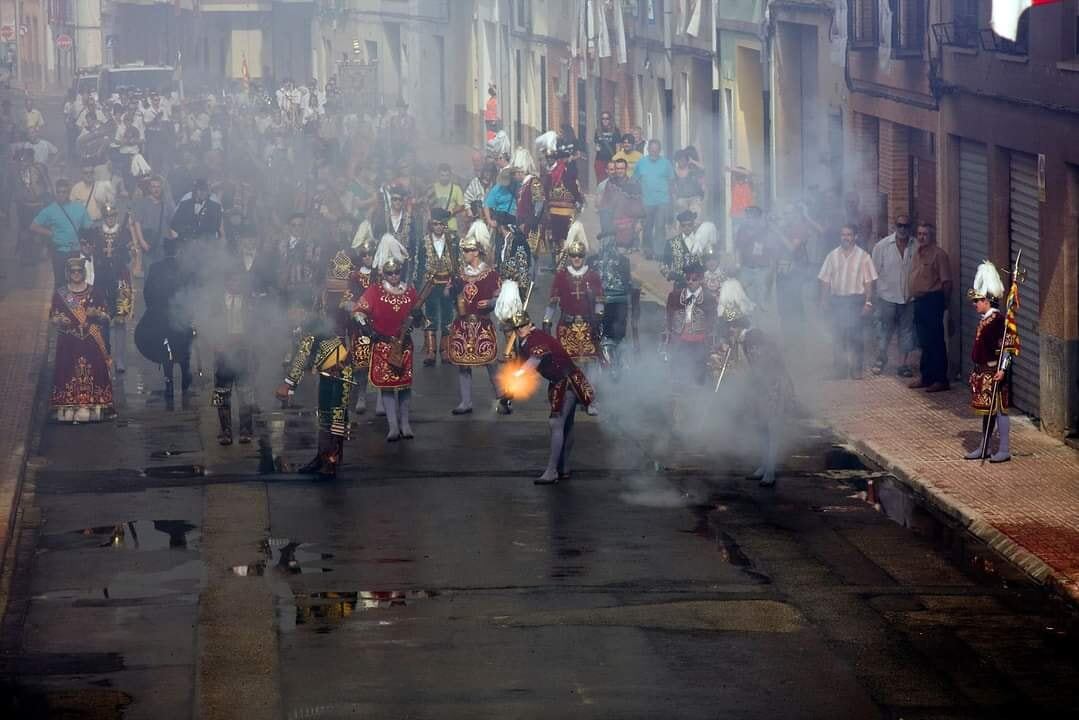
(162, 576)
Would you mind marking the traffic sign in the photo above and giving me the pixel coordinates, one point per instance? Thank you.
(63, 41)
(7, 33)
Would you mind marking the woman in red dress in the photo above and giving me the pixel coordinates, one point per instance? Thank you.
(388, 308)
(473, 341)
(81, 386)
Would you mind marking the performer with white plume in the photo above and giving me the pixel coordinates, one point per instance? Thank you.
(472, 340)
(517, 270)
(564, 197)
(691, 245)
(578, 292)
(989, 395)
(390, 309)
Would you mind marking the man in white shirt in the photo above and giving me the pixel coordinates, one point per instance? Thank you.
(846, 279)
(895, 316)
(44, 151)
(92, 193)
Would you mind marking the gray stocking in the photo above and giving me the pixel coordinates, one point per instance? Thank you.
(1004, 426)
(567, 441)
(492, 375)
(389, 402)
(464, 385)
(404, 403)
(559, 424)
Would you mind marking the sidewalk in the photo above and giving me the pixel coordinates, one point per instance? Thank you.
(24, 343)
(1026, 509)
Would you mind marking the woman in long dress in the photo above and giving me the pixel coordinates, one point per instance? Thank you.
(81, 386)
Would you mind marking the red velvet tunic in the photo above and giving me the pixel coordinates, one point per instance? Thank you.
(985, 353)
(473, 340)
(386, 312)
(577, 296)
(557, 368)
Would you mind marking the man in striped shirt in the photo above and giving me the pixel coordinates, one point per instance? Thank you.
(846, 279)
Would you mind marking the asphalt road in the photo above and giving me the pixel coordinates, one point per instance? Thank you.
(162, 576)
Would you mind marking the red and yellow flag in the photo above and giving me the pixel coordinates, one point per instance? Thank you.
(1011, 330)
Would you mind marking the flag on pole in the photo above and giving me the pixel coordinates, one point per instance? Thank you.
(1011, 330)
(1005, 20)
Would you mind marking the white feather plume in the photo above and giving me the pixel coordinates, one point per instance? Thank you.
(363, 235)
(987, 281)
(389, 247)
(508, 302)
(733, 299)
(499, 145)
(522, 160)
(703, 239)
(576, 232)
(547, 142)
(482, 235)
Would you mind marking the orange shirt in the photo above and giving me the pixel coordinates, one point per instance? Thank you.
(490, 112)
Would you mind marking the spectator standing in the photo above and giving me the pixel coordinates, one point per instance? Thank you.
(94, 194)
(44, 151)
(846, 279)
(606, 139)
(756, 254)
(655, 174)
(688, 182)
(33, 119)
(930, 287)
(792, 263)
(638, 138)
(628, 153)
(892, 257)
(151, 217)
(60, 222)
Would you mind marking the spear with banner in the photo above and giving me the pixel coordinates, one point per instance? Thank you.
(1011, 332)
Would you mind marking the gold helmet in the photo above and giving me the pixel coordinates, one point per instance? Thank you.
(391, 266)
(109, 209)
(76, 263)
(987, 283)
(520, 319)
(576, 248)
(469, 243)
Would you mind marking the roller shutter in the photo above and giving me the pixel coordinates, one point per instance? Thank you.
(973, 231)
(1025, 229)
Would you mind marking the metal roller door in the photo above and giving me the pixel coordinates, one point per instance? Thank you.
(1025, 229)
(973, 233)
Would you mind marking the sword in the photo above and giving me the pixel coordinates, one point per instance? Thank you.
(323, 373)
(723, 370)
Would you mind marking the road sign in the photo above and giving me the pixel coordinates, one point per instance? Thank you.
(7, 33)
(63, 41)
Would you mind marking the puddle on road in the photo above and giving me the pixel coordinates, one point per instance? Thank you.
(93, 703)
(729, 549)
(140, 535)
(286, 556)
(323, 611)
(175, 472)
(165, 454)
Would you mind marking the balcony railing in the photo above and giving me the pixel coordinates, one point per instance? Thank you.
(958, 33)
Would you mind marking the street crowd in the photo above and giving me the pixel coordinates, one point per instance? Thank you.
(326, 212)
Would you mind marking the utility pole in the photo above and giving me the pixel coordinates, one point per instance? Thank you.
(18, 41)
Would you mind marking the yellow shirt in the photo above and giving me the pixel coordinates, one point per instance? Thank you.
(631, 159)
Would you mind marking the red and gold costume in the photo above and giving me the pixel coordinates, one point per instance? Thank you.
(81, 375)
(985, 354)
(563, 198)
(531, 215)
(577, 292)
(557, 368)
(387, 309)
(473, 341)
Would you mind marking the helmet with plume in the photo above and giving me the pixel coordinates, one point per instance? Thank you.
(702, 241)
(576, 240)
(520, 319)
(734, 304)
(987, 283)
(547, 143)
(389, 249)
(522, 160)
(363, 238)
(479, 233)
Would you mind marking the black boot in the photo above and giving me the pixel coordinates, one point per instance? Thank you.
(325, 462)
(224, 417)
(170, 401)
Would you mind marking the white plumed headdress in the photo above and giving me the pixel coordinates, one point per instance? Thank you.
(987, 283)
(389, 248)
(522, 160)
(481, 234)
(734, 304)
(547, 143)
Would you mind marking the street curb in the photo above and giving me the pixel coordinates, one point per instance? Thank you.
(1036, 568)
(31, 442)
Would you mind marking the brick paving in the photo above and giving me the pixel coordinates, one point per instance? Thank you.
(1026, 509)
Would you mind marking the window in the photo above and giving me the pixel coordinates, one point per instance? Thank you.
(964, 28)
(864, 21)
(908, 27)
(522, 15)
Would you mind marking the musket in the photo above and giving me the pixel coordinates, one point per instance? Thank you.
(723, 368)
(396, 356)
(1000, 363)
(323, 373)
